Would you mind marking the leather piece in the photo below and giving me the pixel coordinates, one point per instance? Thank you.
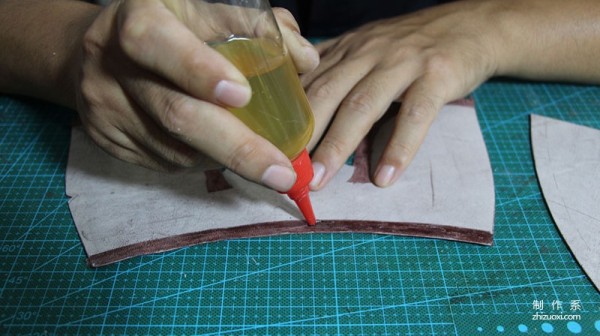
(567, 162)
(122, 210)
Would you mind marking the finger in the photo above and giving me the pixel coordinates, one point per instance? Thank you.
(222, 136)
(216, 132)
(324, 45)
(304, 54)
(108, 117)
(420, 105)
(122, 147)
(153, 141)
(327, 61)
(327, 92)
(362, 107)
(131, 137)
(175, 53)
(115, 110)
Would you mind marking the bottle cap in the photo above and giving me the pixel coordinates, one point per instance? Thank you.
(299, 192)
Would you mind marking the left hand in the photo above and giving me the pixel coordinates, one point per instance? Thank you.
(150, 91)
(425, 59)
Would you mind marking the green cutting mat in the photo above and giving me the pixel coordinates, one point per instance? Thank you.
(298, 284)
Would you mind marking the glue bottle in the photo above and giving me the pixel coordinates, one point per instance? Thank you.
(278, 110)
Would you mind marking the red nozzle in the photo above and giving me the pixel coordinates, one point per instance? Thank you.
(299, 192)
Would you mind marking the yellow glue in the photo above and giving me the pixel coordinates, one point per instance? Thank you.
(278, 110)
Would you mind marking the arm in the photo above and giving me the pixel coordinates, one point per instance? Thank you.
(433, 57)
(549, 40)
(39, 42)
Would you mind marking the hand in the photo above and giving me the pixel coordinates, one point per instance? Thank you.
(426, 60)
(151, 92)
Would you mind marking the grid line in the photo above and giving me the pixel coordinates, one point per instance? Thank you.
(293, 284)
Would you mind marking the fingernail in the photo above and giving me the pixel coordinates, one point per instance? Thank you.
(385, 175)
(319, 172)
(232, 94)
(279, 178)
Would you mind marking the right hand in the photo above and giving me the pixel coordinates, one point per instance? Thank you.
(152, 93)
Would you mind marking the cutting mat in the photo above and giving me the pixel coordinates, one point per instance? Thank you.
(296, 284)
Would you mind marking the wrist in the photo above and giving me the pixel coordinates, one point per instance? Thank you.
(514, 42)
(499, 27)
(548, 39)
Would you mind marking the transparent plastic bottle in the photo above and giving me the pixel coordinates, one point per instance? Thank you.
(278, 110)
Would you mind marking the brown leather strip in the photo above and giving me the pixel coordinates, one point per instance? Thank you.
(291, 227)
(468, 102)
(215, 181)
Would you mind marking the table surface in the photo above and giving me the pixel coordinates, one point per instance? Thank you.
(297, 284)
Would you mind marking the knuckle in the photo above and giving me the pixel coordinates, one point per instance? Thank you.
(333, 147)
(419, 114)
(438, 64)
(97, 137)
(133, 31)
(193, 61)
(374, 42)
(241, 154)
(149, 162)
(360, 103)
(176, 114)
(91, 44)
(321, 89)
(400, 154)
(283, 14)
(89, 93)
(118, 151)
(179, 161)
(407, 53)
(185, 157)
(350, 39)
(421, 109)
